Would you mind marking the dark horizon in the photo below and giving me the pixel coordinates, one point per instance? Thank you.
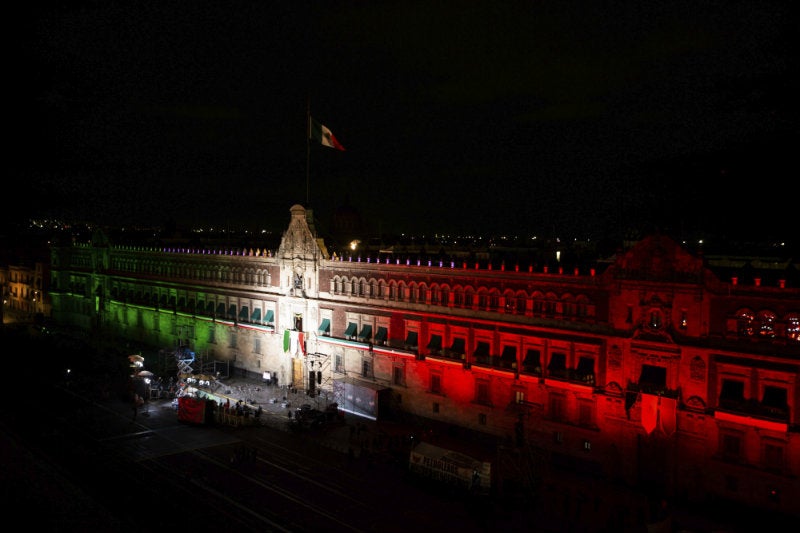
(456, 119)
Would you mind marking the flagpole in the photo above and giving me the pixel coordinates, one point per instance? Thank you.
(308, 147)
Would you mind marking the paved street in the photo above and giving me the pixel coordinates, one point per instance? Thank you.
(78, 453)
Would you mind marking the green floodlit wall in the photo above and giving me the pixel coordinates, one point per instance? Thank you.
(161, 329)
(166, 330)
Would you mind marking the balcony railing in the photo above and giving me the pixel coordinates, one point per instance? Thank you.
(655, 389)
(532, 370)
(754, 408)
(572, 375)
(447, 355)
(488, 361)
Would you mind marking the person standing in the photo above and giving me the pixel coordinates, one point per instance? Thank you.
(136, 401)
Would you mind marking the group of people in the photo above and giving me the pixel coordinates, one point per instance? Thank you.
(230, 412)
(237, 414)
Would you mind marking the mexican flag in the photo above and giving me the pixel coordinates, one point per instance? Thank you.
(321, 134)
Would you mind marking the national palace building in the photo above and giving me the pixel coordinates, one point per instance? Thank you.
(653, 368)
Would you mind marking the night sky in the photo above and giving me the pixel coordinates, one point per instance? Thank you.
(573, 118)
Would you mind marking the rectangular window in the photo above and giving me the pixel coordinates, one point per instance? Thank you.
(653, 375)
(436, 384)
(508, 357)
(481, 355)
(399, 375)
(481, 419)
(232, 340)
(731, 446)
(587, 446)
(456, 349)
(366, 368)
(775, 398)
(585, 370)
(435, 407)
(533, 362)
(732, 390)
(257, 345)
(773, 456)
(481, 350)
(482, 392)
(519, 396)
(411, 342)
(381, 335)
(586, 413)
(557, 402)
(366, 333)
(339, 363)
(435, 344)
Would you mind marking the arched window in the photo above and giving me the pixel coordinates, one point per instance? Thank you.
(655, 319)
(582, 306)
(469, 298)
(483, 299)
(494, 300)
(744, 322)
(521, 303)
(423, 293)
(444, 295)
(402, 290)
(435, 294)
(538, 303)
(458, 297)
(510, 302)
(412, 293)
(568, 305)
(793, 327)
(550, 301)
(766, 323)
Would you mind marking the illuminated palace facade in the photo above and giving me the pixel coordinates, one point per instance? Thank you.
(654, 370)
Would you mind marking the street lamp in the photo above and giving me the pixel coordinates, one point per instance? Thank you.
(146, 411)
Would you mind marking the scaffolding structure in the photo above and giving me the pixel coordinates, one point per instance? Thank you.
(184, 357)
